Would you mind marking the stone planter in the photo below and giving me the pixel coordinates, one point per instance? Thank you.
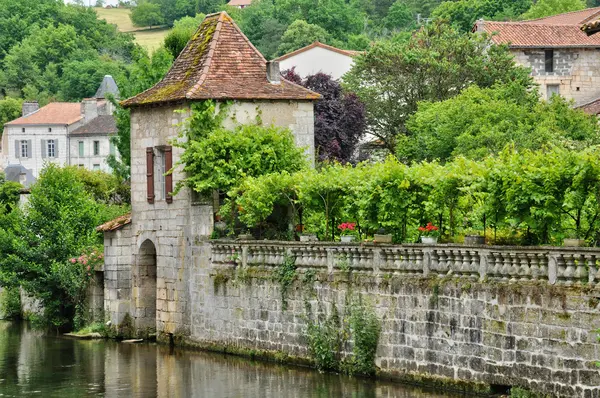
(245, 237)
(347, 238)
(387, 238)
(474, 240)
(429, 240)
(574, 242)
(308, 238)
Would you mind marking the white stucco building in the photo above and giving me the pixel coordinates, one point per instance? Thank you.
(63, 133)
(318, 57)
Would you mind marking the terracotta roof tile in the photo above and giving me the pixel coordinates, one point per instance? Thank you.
(529, 35)
(115, 224)
(53, 113)
(349, 53)
(101, 125)
(238, 3)
(591, 108)
(219, 62)
(591, 28)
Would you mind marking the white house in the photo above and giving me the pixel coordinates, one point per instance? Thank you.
(62, 133)
(319, 57)
(239, 3)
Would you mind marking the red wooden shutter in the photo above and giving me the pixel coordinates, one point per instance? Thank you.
(150, 173)
(169, 176)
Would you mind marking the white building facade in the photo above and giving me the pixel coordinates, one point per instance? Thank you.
(318, 57)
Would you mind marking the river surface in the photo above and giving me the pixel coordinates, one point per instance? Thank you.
(35, 365)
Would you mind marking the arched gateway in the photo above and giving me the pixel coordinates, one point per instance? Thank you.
(145, 288)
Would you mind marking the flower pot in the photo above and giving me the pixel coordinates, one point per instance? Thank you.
(308, 238)
(245, 237)
(347, 238)
(429, 240)
(574, 242)
(474, 240)
(378, 238)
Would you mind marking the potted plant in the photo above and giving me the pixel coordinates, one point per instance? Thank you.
(429, 234)
(473, 238)
(572, 240)
(347, 228)
(305, 236)
(382, 237)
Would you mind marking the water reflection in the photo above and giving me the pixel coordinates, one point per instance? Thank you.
(43, 366)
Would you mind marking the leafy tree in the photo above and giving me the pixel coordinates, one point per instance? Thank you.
(435, 64)
(339, 117)
(9, 195)
(181, 33)
(300, 34)
(10, 109)
(218, 159)
(147, 14)
(479, 122)
(210, 6)
(81, 79)
(399, 16)
(464, 13)
(58, 224)
(545, 8)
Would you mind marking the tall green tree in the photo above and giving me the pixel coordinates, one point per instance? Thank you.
(182, 32)
(147, 14)
(464, 13)
(435, 64)
(545, 8)
(300, 34)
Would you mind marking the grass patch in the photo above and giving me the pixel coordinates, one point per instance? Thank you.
(97, 327)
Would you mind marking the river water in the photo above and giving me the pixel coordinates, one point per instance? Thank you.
(35, 365)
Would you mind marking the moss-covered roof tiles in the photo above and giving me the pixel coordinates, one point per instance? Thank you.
(219, 62)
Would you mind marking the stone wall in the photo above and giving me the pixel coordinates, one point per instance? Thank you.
(576, 72)
(495, 315)
(117, 274)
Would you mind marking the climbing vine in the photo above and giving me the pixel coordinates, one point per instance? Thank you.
(285, 276)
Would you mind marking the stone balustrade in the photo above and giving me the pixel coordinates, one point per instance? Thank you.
(556, 265)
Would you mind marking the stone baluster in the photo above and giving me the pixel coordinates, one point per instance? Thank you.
(434, 261)
(419, 266)
(514, 268)
(590, 261)
(475, 273)
(456, 262)
(534, 266)
(465, 266)
(581, 273)
(543, 266)
(524, 270)
(505, 268)
(561, 268)
(497, 266)
(443, 268)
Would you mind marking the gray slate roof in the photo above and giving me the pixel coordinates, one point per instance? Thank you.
(108, 86)
(101, 125)
(14, 171)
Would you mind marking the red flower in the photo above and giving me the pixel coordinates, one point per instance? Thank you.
(347, 225)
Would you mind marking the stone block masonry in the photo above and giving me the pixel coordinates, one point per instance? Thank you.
(493, 315)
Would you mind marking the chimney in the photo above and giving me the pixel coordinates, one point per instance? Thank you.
(29, 107)
(89, 109)
(273, 73)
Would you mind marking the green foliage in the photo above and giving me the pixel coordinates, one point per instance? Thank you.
(146, 13)
(536, 197)
(10, 303)
(464, 13)
(389, 78)
(325, 340)
(479, 122)
(300, 34)
(285, 276)
(9, 194)
(546, 8)
(366, 328)
(10, 109)
(181, 33)
(219, 159)
(40, 244)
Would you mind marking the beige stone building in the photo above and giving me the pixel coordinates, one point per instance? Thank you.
(563, 59)
(148, 260)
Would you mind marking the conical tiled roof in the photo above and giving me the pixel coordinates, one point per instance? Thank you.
(219, 62)
(108, 86)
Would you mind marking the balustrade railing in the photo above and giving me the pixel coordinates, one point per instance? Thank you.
(557, 265)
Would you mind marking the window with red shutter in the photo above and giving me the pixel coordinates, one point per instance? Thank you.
(169, 176)
(150, 173)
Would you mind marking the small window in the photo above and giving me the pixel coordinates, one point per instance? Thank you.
(96, 167)
(81, 148)
(49, 129)
(24, 149)
(96, 148)
(51, 147)
(160, 171)
(80, 165)
(549, 65)
(23, 130)
(552, 89)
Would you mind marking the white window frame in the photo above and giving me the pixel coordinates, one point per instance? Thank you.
(81, 148)
(24, 149)
(96, 148)
(51, 148)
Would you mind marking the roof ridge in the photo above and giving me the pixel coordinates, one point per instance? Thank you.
(314, 44)
(214, 40)
(565, 13)
(528, 24)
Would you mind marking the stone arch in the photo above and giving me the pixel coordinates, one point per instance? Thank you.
(145, 287)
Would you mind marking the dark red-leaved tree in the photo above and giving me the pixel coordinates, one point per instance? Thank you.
(339, 117)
